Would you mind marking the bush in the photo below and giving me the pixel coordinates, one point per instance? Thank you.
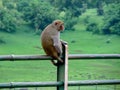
(93, 23)
(112, 19)
(70, 21)
(93, 27)
(9, 19)
(38, 14)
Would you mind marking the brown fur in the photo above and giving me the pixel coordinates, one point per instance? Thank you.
(50, 40)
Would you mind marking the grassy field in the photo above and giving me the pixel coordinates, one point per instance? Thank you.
(84, 42)
(79, 41)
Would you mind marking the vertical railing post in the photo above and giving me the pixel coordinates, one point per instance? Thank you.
(62, 70)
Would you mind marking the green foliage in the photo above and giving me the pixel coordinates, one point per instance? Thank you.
(112, 19)
(73, 6)
(8, 4)
(109, 23)
(22, 4)
(69, 20)
(9, 20)
(93, 27)
(69, 24)
(38, 14)
(99, 6)
(91, 21)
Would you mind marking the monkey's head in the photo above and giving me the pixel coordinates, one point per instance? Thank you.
(58, 24)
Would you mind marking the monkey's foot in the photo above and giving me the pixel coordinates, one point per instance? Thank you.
(57, 63)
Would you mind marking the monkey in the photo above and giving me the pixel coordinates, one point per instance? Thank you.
(51, 43)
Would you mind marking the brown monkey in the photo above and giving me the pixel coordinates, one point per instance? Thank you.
(50, 40)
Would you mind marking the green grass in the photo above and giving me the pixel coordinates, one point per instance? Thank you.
(85, 42)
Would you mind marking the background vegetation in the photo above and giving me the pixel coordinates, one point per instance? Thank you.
(39, 13)
(91, 27)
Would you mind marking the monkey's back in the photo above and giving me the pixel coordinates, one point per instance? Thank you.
(47, 44)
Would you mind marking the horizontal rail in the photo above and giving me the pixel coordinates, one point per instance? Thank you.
(23, 57)
(70, 56)
(54, 84)
(30, 84)
(94, 56)
(93, 82)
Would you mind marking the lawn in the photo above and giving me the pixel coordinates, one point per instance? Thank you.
(84, 42)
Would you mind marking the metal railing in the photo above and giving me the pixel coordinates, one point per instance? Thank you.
(70, 57)
(62, 82)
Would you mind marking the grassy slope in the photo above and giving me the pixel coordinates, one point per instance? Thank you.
(84, 42)
(23, 43)
(27, 71)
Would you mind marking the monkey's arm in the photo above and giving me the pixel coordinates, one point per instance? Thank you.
(57, 45)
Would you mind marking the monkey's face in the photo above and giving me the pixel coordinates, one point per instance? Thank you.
(59, 25)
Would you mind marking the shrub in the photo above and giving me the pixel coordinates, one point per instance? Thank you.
(112, 19)
(93, 27)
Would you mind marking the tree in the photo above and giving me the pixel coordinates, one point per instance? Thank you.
(112, 19)
(37, 13)
(99, 6)
(9, 20)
